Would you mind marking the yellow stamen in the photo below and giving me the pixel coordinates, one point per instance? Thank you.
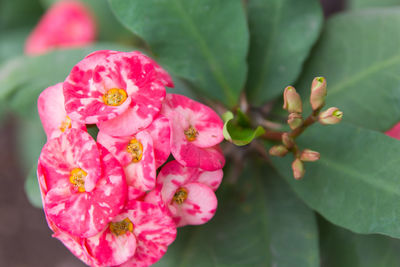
(66, 124)
(191, 133)
(180, 195)
(77, 178)
(135, 148)
(121, 227)
(114, 97)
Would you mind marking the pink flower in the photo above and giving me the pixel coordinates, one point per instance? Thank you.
(65, 24)
(196, 130)
(83, 185)
(394, 132)
(188, 193)
(113, 89)
(52, 112)
(140, 154)
(138, 236)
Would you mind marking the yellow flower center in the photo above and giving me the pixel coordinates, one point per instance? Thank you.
(191, 133)
(114, 97)
(77, 178)
(180, 195)
(121, 227)
(135, 148)
(66, 124)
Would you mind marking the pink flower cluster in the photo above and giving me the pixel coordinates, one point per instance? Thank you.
(103, 198)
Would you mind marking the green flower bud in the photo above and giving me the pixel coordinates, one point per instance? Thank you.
(330, 116)
(309, 155)
(295, 120)
(298, 169)
(318, 93)
(278, 151)
(292, 100)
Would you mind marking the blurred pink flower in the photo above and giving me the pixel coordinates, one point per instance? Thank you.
(67, 23)
(394, 132)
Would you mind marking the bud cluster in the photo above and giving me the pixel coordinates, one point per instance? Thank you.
(293, 104)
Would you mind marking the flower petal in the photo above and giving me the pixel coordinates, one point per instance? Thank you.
(160, 131)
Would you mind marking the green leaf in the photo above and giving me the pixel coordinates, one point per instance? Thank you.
(12, 43)
(24, 78)
(340, 247)
(203, 41)
(282, 33)
(362, 66)
(235, 133)
(355, 184)
(32, 189)
(92, 130)
(259, 222)
(19, 13)
(358, 4)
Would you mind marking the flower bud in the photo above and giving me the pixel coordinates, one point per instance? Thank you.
(278, 151)
(330, 116)
(298, 169)
(309, 155)
(318, 93)
(287, 140)
(295, 120)
(292, 100)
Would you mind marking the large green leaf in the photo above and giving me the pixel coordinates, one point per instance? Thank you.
(204, 41)
(12, 43)
(342, 248)
(359, 54)
(357, 4)
(259, 222)
(282, 33)
(23, 78)
(356, 183)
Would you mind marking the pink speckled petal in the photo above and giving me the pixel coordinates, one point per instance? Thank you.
(52, 112)
(86, 214)
(140, 175)
(198, 208)
(73, 149)
(210, 178)
(184, 112)
(110, 249)
(160, 131)
(154, 231)
(65, 24)
(100, 71)
(394, 132)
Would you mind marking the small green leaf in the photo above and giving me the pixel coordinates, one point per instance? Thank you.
(32, 189)
(282, 33)
(235, 132)
(259, 222)
(355, 184)
(340, 247)
(361, 65)
(92, 130)
(203, 41)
